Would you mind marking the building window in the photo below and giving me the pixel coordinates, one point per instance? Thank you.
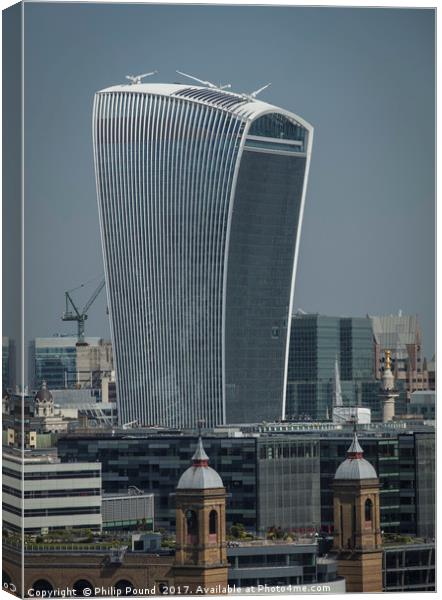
(368, 510)
(192, 527)
(213, 526)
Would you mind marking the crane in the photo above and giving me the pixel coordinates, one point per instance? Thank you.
(136, 79)
(78, 316)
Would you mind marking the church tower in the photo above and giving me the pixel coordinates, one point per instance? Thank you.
(357, 533)
(200, 556)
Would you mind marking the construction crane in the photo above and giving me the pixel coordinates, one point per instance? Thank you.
(78, 316)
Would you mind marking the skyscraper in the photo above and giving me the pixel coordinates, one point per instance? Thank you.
(200, 195)
(319, 344)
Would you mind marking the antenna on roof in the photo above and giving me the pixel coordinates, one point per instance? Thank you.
(253, 95)
(136, 79)
(207, 83)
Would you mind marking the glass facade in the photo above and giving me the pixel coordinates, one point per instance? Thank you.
(269, 482)
(259, 279)
(191, 214)
(155, 464)
(8, 363)
(54, 360)
(426, 485)
(409, 568)
(316, 342)
(281, 480)
(289, 484)
(383, 455)
(407, 492)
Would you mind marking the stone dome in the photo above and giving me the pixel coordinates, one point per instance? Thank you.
(355, 466)
(43, 394)
(199, 476)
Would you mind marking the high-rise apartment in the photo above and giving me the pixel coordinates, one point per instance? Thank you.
(200, 195)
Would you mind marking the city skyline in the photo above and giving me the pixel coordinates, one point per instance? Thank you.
(251, 404)
(368, 234)
(364, 180)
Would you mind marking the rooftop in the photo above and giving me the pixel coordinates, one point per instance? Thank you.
(244, 106)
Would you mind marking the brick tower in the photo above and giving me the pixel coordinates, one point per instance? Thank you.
(200, 557)
(357, 534)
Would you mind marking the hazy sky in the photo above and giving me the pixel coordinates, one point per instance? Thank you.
(363, 77)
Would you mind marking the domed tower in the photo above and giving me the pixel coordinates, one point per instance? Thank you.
(43, 402)
(200, 558)
(357, 533)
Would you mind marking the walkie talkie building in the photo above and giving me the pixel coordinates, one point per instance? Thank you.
(200, 195)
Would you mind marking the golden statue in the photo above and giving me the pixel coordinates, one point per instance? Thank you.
(388, 359)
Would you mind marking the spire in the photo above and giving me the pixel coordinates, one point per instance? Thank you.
(200, 458)
(355, 450)
(337, 392)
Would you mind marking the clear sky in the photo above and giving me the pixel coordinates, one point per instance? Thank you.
(363, 77)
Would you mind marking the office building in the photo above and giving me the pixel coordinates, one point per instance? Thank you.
(8, 363)
(261, 565)
(276, 478)
(200, 195)
(288, 484)
(128, 511)
(317, 344)
(407, 492)
(270, 481)
(409, 567)
(423, 403)
(62, 364)
(40, 493)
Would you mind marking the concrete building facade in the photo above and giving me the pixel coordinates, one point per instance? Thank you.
(40, 493)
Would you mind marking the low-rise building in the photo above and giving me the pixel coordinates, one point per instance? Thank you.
(40, 493)
(29, 420)
(278, 474)
(409, 567)
(270, 481)
(263, 564)
(128, 511)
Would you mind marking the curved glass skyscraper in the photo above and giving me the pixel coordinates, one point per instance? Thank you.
(200, 197)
